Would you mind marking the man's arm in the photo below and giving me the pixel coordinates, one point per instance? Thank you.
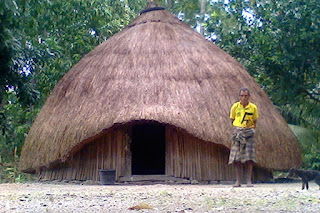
(255, 123)
(256, 117)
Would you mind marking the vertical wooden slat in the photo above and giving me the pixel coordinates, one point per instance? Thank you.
(117, 160)
(103, 151)
(168, 151)
(127, 169)
(98, 158)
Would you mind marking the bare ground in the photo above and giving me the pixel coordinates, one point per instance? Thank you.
(49, 197)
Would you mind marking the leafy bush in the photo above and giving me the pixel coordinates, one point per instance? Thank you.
(10, 174)
(15, 123)
(309, 141)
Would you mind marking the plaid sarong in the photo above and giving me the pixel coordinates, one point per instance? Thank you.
(242, 148)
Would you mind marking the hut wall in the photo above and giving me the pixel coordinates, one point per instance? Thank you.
(190, 157)
(107, 152)
(186, 157)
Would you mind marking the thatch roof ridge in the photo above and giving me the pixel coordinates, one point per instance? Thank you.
(157, 69)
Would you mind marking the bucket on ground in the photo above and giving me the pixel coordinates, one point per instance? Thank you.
(107, 176)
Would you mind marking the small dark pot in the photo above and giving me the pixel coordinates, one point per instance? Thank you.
(107, 177)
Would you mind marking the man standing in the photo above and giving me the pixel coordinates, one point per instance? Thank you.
(244, 115)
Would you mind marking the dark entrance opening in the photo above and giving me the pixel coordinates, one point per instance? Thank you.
(148, 149)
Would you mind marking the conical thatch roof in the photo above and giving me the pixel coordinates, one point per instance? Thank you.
(160, 69)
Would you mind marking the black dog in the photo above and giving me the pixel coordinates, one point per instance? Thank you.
(306, 175)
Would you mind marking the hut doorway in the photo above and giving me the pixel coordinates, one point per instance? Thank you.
(148, 149)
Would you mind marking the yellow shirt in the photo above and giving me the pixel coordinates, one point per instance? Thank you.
(244, 117)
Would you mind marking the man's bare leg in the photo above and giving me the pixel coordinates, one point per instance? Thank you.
(249, 166)
(238, 174)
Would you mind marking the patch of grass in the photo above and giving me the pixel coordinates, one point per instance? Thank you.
(165, 194)
(217, 202)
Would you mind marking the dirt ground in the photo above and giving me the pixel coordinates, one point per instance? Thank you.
(63, 197)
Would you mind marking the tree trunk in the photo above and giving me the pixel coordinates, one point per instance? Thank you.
(202, 13)
(169, 4)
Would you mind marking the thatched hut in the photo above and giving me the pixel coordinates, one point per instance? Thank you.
(152, 99)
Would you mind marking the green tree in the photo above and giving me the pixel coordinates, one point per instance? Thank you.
(287, 56)
(277, 41)
(10, 74)
(40, 42)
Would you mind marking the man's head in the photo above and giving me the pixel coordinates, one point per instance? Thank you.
(244, 95)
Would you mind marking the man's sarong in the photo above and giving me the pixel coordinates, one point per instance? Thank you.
(242, 148)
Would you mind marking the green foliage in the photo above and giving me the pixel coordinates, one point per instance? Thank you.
(15, 123)
(59, 33)
(310, 146)
(9, 172)
(137, 5)
(312, 159)
(189, 10)
(289, 42)
(278, 44)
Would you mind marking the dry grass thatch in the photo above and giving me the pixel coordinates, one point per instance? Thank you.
(160, 69)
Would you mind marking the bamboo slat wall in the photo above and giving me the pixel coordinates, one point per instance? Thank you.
(106, 152)
(189, 157)
(186, 157)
